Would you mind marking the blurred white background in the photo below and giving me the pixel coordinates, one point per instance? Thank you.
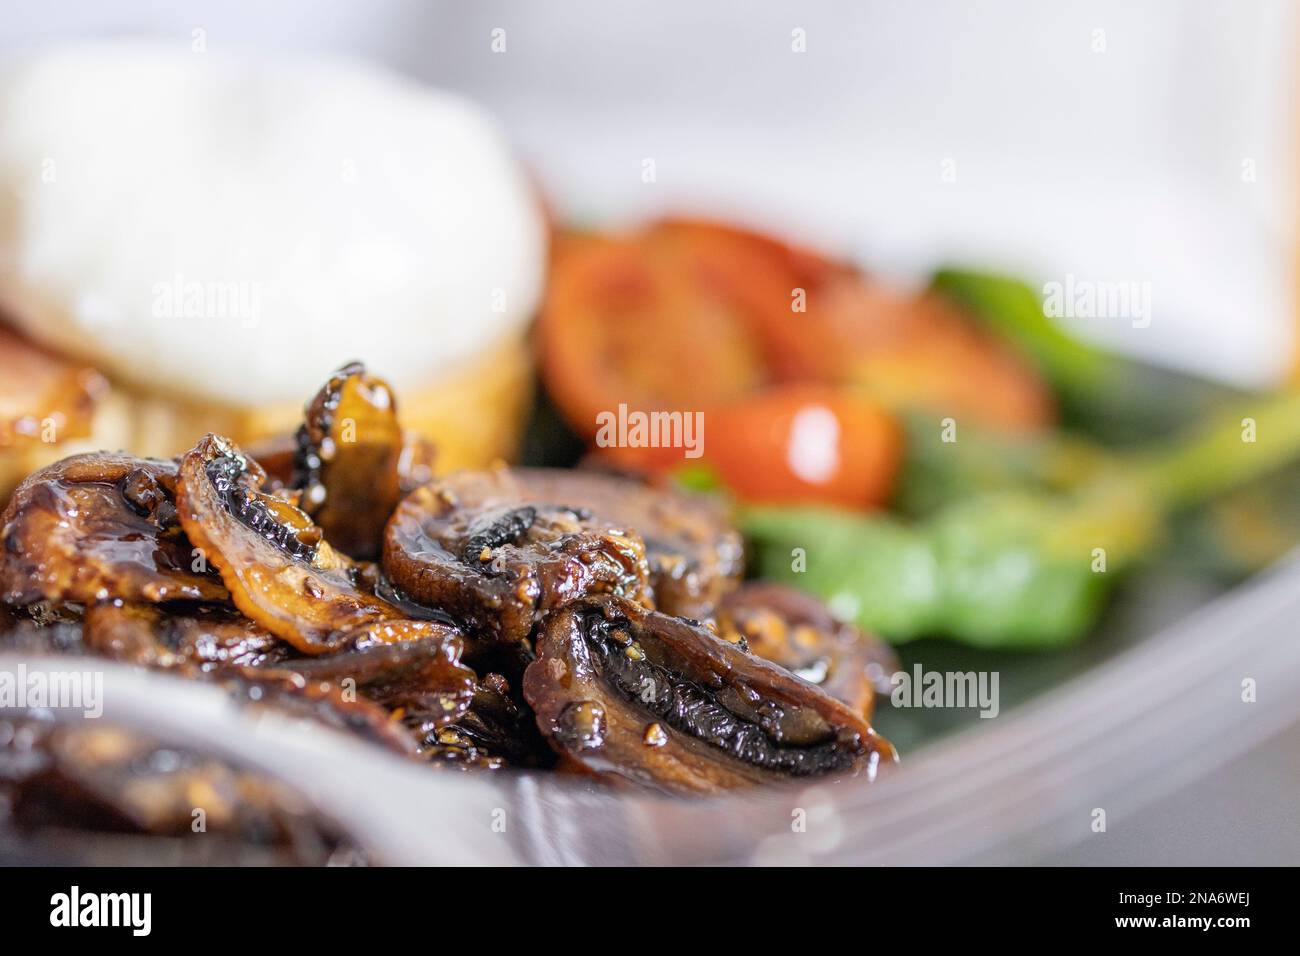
(1113, 142)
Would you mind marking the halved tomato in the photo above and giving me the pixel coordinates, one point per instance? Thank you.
(805, 444)
(818, 320)
(777, 289)
(624, 324)
(690, 316)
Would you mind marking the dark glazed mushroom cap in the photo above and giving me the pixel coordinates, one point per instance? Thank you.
(98, 526)
(272, 557)
(478, 547)
(796, 630)
(634, 694)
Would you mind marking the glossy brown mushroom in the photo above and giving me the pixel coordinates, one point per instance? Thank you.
(479, 547)
(636, 695)
(695, 556)
(497, 730)
(420, 680)
(794, 629)
(201, 639)
(272, 557)
(99, 526)
(349, 460)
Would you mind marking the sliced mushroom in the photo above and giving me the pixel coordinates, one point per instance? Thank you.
(99, 526)
(420, 678)
(325, 702)
(349, 458)
(278, 457)
(637, 695)
(477, 546)
(497, 730)
(202, 639)
(795, 630)
(380, 688)
(695, 556)
(272, 557)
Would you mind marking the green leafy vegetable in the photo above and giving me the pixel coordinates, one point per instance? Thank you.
(1101, 394)
(1030, 568)
(1012, 309)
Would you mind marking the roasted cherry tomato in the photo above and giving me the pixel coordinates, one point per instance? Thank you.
(777, 289)
(805, 444)
(625, 325)
(818, 320)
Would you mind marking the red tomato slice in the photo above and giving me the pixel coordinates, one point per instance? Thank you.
(805, 444)
(625, 324)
